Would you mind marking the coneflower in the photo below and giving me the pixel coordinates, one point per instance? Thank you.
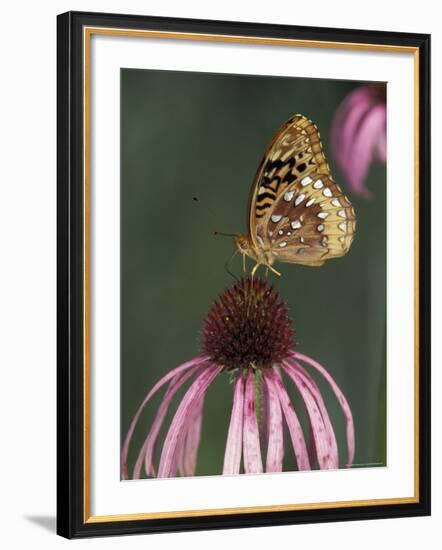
(358, 134)
(249, 335)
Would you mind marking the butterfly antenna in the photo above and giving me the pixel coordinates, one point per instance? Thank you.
(221, 234)
(216, 233)
(213, 215)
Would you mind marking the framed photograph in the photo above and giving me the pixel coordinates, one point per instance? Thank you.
(243, 274)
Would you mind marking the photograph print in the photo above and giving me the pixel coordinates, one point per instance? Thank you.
(253, 274)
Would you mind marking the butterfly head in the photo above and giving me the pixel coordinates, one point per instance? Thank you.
(243, 243)
(248, 248)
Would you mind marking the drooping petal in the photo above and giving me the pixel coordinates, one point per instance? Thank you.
(326, 460)
(346, 121)
(294, 426)
(314, 390)
(364, 146)
(148, 449)
(341, 399)
(174, 438)
(191, 444)
(381, 146)
(251, 445)
(265, 415)
(275, 447)
(358, 134)
(311, 449)
(199, 360)
(232, 455)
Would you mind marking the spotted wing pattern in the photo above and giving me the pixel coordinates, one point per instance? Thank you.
(298, 214)
(294, 152)
(309, 223)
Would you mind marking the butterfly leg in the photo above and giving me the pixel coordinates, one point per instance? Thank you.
(244, 263)
(274, 270)
(255, 267)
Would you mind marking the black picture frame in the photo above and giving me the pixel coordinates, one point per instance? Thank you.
(72, 520)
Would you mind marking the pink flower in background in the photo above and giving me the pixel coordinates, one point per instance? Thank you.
(358, 134)
(249, 335)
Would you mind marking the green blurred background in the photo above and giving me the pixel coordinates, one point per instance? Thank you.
(198, 134)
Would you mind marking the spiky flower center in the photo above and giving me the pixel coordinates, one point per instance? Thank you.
(248, 326)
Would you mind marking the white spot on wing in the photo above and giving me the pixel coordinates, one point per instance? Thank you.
(281, 245)
(335, 202)
(306, 181)
(299, 199)
(288, 196)
(296, 224)
(327, 192)
(281, 232)
(275, 218)
(343, 226)
(322, 215)
(342, 214)
(320, 227)
(318, 184)
(310, 202)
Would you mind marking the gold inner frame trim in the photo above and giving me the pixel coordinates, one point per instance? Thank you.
(87, 34)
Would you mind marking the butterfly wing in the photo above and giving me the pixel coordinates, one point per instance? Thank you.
(311, 224)
(297, 213)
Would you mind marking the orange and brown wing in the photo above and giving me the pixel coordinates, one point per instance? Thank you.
(293, 153)
(311, 224)
(297, 213)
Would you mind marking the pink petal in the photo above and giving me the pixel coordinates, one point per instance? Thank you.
(357, 134)
(321, 435)
(200, 359)
(342, 401)
(251, 445)
(381, 147)
(175, 436)
(192, 440)
(293, 423)
(359, 104)
(364, 145)
(346, 121)
(311, 448)
(264, 428)
(232, 455)
(275, 448)
(314, 390)
(148, 449)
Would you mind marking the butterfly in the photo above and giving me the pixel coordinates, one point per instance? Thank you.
(297, 213)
